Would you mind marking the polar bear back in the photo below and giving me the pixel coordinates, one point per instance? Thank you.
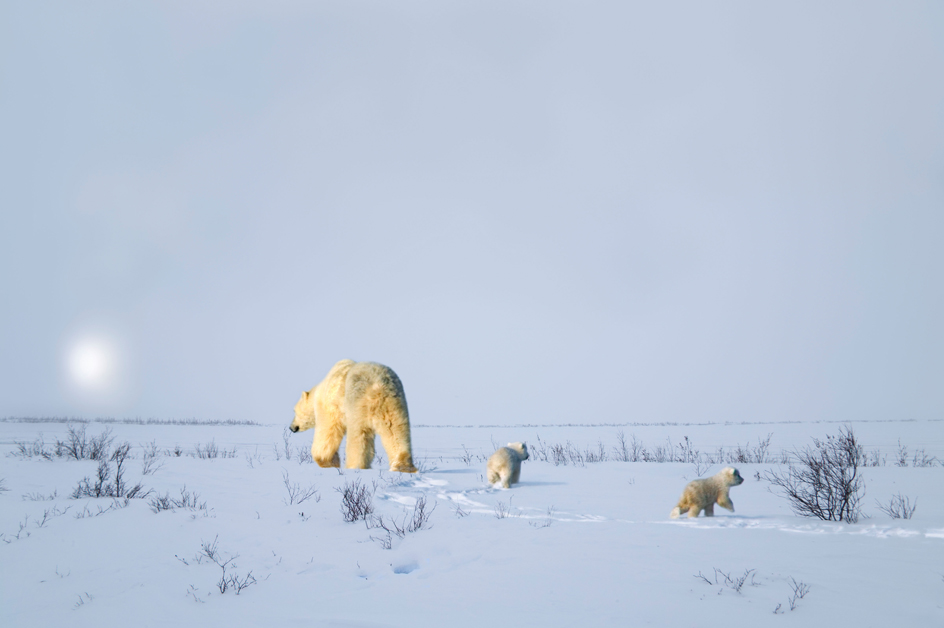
(504, 466)
(357, 401)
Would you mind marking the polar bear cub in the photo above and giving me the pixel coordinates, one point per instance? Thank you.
(704, 494)
(504, 465)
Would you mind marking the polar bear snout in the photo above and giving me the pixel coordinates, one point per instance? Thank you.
(293, 427)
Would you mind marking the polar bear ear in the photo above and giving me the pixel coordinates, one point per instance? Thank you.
(306, 394)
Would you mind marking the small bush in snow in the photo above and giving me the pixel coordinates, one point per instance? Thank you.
(735, 583)
(116, 504)
(297, 494)
(150, 455)
(35, 449)
(547, 521)
(188, 500)
(229, 579)
(824, 481)
(899, 507)
(410, 522)
(39, 497)
(357, 501)
(747, 454)
(503, 510)
(78, 446)
(210, 450)
(102, 486)
(800, 589)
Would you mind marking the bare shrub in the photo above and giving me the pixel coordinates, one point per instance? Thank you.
(188, 500)
(902, 457)
(50, 513)
(800, 589)
(874, 458)
(36, 449)
(116, 504)
(921, 459)
(411, 522)
(758, 454)
(899, 507)
(637, 450)
(824, 481)
(205, 452)
(150, 454)
(502, 510)
(687, 452)
(385, 541)
(539, 450)
(595, 455)
(701, 466)
(567, 454)
(38, 497)
(3, 486)
(78, 446)
(101, 486)
(735, 583)
(548, 520)
(303, 456)
(286, 444)
(211, 450)
(621, 451)
(297, 494)
(357, 501)
(424, 465)
(228, 580)
(558, 455)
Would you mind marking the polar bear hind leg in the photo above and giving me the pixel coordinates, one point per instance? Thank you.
(359, 450)
(394, 434)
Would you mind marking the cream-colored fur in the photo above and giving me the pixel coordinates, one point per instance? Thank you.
(505, 464)
(704, 494)
(360, 400)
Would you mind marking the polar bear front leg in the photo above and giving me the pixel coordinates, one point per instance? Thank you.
(324, 446)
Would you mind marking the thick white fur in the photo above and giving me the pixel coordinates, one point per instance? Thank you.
(360, 400)
(504, 465)
(704, 494)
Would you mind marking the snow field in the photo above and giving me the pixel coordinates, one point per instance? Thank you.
(569, 544)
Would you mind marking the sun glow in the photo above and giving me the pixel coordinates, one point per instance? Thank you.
(92, 364)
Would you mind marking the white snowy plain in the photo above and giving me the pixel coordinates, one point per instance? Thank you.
(587, 544)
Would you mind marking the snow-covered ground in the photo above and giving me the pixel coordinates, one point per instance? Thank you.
(582, 544)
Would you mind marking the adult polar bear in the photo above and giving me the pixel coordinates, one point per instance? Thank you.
(359, 399)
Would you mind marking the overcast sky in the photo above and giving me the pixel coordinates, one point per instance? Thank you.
(542, 212)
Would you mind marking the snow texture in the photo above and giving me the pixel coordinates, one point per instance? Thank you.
(574, 544)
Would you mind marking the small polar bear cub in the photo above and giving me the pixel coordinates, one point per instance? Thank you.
(704, 494)
(504, 465)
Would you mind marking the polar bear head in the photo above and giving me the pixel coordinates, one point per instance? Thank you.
(731, 476)
(304, 413)
(521, 449)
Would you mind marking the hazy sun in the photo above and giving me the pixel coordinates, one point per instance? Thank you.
(91, 363)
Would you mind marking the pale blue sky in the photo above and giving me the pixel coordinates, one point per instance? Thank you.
(534, 212)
